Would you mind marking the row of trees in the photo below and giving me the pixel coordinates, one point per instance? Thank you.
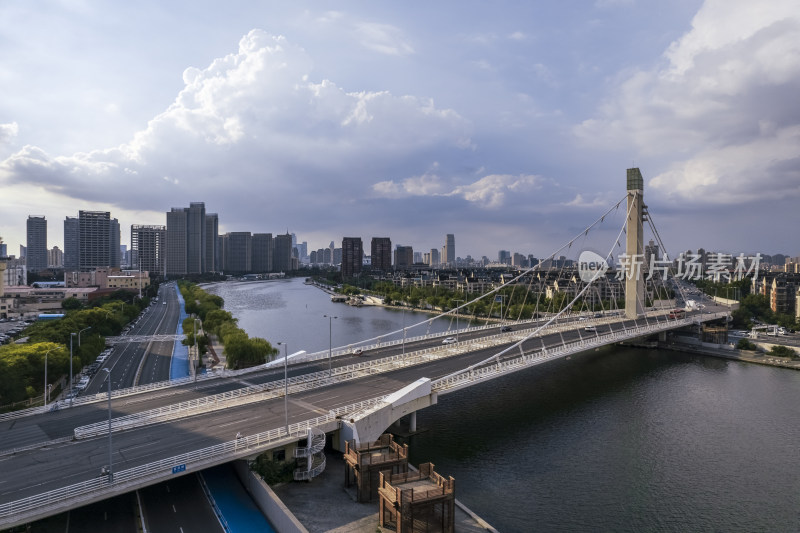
(514, 301)
(241, 350)
(22, 365)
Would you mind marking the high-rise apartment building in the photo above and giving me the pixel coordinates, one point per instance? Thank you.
(98, 240)
(212, 243)
(449, 255)
(403, 257)
(352, 256)
(196, 238)
(237, 248)
(282, 253)
(36, 253)
(381, 253)
(176, 238)
(114, 243)
(262, 252)
(71, 243)
(55, 258)
(434, 258)
(192, 240)
(148, 248)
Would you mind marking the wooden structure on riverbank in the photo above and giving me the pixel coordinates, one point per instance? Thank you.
(417, 501)
(365, 462)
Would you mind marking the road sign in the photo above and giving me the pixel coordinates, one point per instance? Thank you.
(179, 468)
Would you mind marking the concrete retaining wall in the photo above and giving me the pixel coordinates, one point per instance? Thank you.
(273, 508)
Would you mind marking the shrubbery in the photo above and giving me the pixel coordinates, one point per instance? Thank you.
(241, 350)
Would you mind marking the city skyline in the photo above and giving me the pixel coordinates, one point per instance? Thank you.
(511, 127)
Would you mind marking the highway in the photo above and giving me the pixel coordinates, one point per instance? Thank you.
(154, 357)
(32, 472)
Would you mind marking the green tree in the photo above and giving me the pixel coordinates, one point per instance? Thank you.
(71, 303)
(745, 344)
(782, 351)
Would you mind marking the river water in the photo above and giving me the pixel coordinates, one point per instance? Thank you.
(617, 440)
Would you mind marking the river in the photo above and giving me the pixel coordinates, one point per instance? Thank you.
(617, 440)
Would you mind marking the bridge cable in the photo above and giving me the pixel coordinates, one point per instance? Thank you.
(496, 356)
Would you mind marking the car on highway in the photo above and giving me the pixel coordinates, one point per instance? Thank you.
(449, 340)
(358, 351)
(505, 328)
(590, 328)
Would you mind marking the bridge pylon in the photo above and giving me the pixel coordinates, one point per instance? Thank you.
(634, 279)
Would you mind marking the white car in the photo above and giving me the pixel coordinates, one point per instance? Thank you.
(449, 340)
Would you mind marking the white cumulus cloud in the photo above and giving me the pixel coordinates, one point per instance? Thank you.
(721, 112)
(251, 128)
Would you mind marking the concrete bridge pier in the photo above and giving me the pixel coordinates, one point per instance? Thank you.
(368, 425)
(634, 249)
(412, 423)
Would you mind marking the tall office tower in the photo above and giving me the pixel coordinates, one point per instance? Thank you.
(114, 240)
(196, 238)
(176, 238)
(71, 243)
(212, 242)
(22, 250)
(148, 248)
(96, 239)
(282, 253)
(302, 250)
(449, 255)
(352, 256)
(262, 252)
(337, 256)
(36, 253)
(238, 252)
(504, 257)
(434, 257)
(403, 257)
(381, 253)
(55, 257)
(327, 255)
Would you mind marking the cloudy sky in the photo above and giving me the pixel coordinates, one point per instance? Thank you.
(509, 123)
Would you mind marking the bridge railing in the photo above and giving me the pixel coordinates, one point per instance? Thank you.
(496, 368)
(305, 382)
(15, 512)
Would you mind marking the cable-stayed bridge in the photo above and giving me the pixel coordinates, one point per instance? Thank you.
(52, 461)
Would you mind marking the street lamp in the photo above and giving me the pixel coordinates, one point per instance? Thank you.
(196, 351)
(286, 382)
(110, 466)
(71, 335)
(404, 332)
(330, 342)
(44, 392)
(457, 302)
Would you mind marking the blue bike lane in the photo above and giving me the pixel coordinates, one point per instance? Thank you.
(179, 364)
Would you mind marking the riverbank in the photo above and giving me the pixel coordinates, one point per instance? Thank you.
(731, 353)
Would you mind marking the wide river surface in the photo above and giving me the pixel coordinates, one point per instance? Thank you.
(616, 440)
